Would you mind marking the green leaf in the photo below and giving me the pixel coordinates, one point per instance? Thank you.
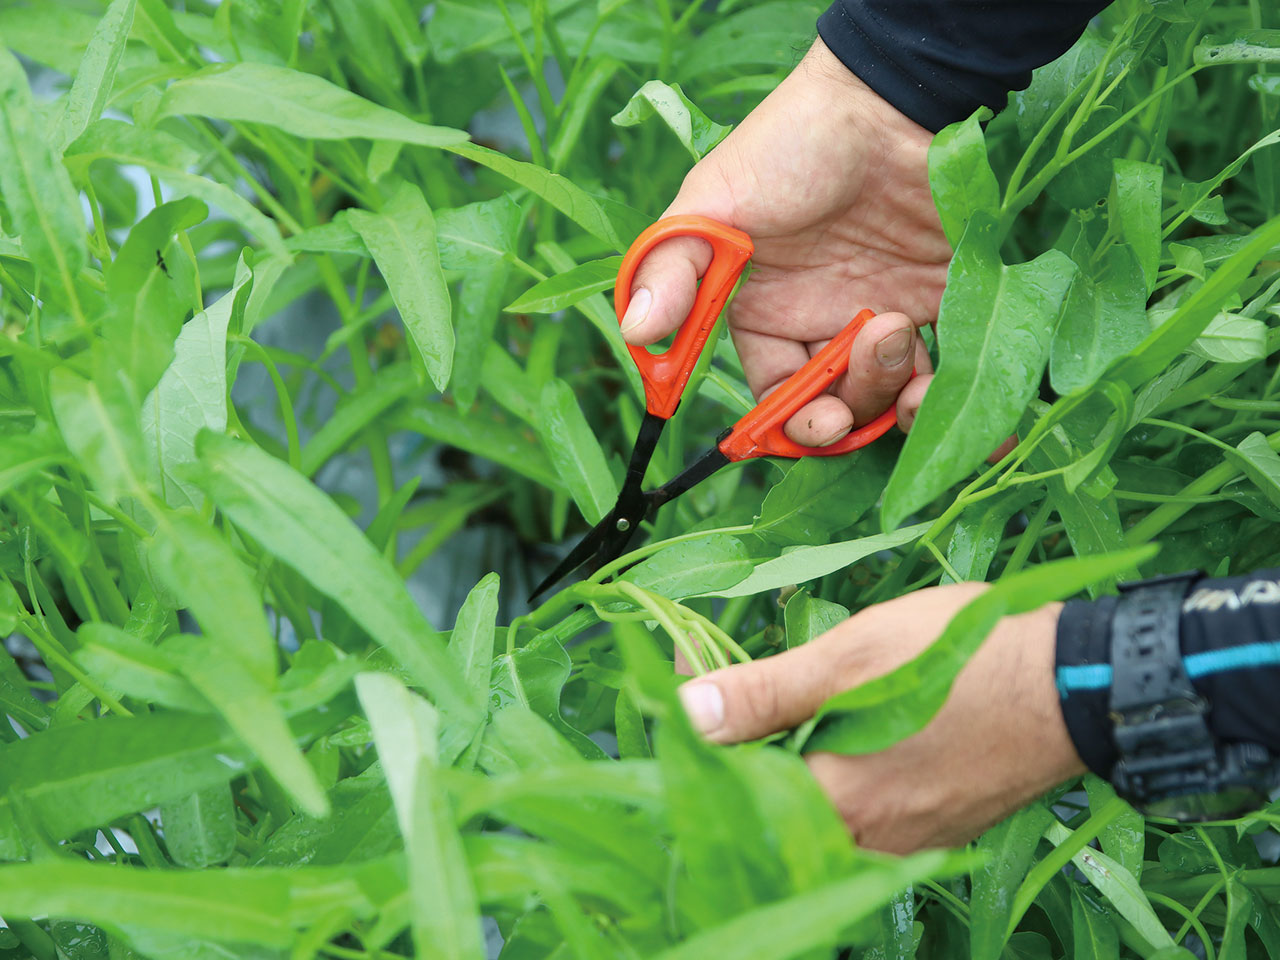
(1193, 313)
(706, 564)
(1107, 441)
(471, 642)
(43, 208)
(628, 725)
(149, 301)
(305, 529)
(250, 906)
(575, 203)
(572, 447)
(566, 289)
(134, 667)
(978, 532)
(402, 240)
(1104, 318)
(297, 103)
(200, 569)
(15, 696)
(24, 454)
(1124, 839)
(494, 438)
(477, 239)
(169, 159)
(1187, 260)
(807, 617)
(696, 132)
(99, 421)
(533, 676)
(354, 414)
(200, 828)
(770, 34)
(810, 921)
(191, 395)
(808, 563)
(820, 495)
(1231, 338)
(883, 711)
(83, 775)
(245, 703)
(960, 176)
(602, 316)
(1136, 210)
(1119, 887)
(1008, 851)
(1251, 46)
(445, 916)
(994, 328)
(95, 76)
(1260, 464)
(1092, 523)
(1094, 931)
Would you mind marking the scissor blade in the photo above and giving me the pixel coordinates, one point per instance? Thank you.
(609, 538)
(589, 545)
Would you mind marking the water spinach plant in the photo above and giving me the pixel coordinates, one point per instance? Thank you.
(250, 250)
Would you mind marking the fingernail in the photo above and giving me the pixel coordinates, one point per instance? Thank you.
(637, 309)
(893, 349)
(704, 705)
(838, 435)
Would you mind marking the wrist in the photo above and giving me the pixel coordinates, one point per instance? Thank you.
(853, 104)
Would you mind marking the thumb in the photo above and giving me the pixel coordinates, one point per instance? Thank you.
(752, 700)
(664, 287)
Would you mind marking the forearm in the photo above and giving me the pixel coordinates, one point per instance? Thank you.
(939, 60)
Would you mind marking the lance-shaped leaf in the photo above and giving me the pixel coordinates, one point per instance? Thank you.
(298, 103)
(961, 177)
(714, 562)
(96, 74)
(296, 522)
(994, 328)
(170, 160)
(42, 206)
(1103, 319)
(573, 448)
(894, 706)
(446, 918)
(191, 395)
(402, 240)
(575, 203)
(566, 289)
(696, 132)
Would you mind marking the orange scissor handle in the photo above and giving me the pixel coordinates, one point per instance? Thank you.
(665, 374)
(759, 433)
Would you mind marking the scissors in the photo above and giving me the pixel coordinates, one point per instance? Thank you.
(664, 375)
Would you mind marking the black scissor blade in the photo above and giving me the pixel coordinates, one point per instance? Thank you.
(589, 545)
(609, 538)
(690, 476)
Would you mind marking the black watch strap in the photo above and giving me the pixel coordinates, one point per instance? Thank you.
(1169, 760)
(1164, 743)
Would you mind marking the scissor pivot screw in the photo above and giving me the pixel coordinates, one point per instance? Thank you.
(623, 524)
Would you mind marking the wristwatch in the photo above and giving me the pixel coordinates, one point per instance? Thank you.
(1171, 765)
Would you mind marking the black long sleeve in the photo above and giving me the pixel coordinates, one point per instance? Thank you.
(1230, 637)
(939, 60)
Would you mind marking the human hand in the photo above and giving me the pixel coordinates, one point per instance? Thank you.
(831, 183)
(997, 743)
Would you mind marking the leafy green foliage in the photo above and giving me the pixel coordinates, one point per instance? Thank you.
(307, 352)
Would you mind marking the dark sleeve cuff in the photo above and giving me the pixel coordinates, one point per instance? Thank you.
(1083, 663)
(939, 60)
